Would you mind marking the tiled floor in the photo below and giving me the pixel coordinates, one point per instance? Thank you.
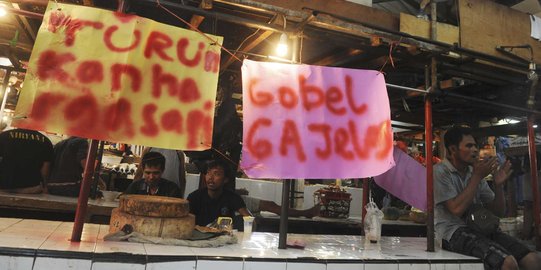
(37, 244)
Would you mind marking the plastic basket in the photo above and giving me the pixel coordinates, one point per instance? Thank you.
(334, 202)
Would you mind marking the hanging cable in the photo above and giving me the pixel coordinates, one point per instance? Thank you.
(214, 42)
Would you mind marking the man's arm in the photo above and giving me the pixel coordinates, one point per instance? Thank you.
(460, 203)
(497, 206)
(45, 170)
(244, 212)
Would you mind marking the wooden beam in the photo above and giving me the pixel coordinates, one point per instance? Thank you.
(30, 2)
(196, 20)
(252, 42)
(484, 25)
(334, 58)
(338, 8)
(25, 26)
(421, 28)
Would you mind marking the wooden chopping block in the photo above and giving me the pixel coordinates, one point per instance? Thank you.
(176, 227)
(154, 206)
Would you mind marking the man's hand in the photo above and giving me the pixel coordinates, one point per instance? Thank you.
(483, 167)
(502, 174)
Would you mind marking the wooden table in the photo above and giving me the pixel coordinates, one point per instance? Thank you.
(52, 207)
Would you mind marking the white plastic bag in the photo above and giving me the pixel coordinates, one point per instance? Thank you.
(372, 222)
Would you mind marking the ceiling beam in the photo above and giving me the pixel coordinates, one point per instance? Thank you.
(196, 20)
(253, 41)
(25, 26)
(334, 58)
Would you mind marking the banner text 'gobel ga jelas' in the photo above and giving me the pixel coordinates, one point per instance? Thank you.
(304, 121)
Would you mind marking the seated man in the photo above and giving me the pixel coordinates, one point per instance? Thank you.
(152, 183)
(68, 166)
(458, 184)
(213, 201)
(25, 157)
(174, 166)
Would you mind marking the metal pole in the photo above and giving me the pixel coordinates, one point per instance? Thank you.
(428, 139)
(292, 193)
(366, 195)
(284, 214)
(6, 92)
(429, 175)
(533, 171)
(96, 178)
(82, 203)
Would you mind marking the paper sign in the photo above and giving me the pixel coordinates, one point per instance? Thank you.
(406, 181)
(109, 76)
(302, 121)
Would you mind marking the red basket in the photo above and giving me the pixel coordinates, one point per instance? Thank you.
(334, 202)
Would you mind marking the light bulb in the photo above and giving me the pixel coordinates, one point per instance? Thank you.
(3, 11)
(281, 49)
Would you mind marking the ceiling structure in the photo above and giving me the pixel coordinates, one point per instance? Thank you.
(473, 87)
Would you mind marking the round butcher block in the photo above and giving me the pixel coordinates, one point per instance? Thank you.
(154, 206)
(175, 227)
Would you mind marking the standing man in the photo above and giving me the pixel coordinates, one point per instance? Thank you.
(458, 184)
(25, 158)
(152, 183)
(68, 166)
(213, 201)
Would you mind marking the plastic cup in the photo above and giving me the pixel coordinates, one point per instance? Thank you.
(248, 224)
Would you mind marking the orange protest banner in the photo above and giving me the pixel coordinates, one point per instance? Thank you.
(109, 76)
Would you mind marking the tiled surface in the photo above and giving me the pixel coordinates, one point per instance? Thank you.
(116, 266)
(6, 222)
(9, 262)
(60, 239)
(445, 267)
(45, 263)
(265, 265)
(48, 243)
(179, 265)
(222, 265)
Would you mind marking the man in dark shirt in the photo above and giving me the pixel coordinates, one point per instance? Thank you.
(25, 157)
(153, 164)
(207, 204)
(67, 168)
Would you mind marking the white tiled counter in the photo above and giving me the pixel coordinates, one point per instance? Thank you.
(36, 244)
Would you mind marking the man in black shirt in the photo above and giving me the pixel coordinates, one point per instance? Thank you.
(153, 164)
(25, 157)
(214, 201)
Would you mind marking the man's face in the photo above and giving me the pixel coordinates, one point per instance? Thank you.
(467, 151)
(215, 178)
(152, 174)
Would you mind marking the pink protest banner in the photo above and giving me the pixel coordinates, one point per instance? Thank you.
(406, 180)
(302, 121)
(103, 75)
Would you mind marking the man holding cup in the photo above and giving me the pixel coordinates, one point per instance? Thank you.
(213, 201)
